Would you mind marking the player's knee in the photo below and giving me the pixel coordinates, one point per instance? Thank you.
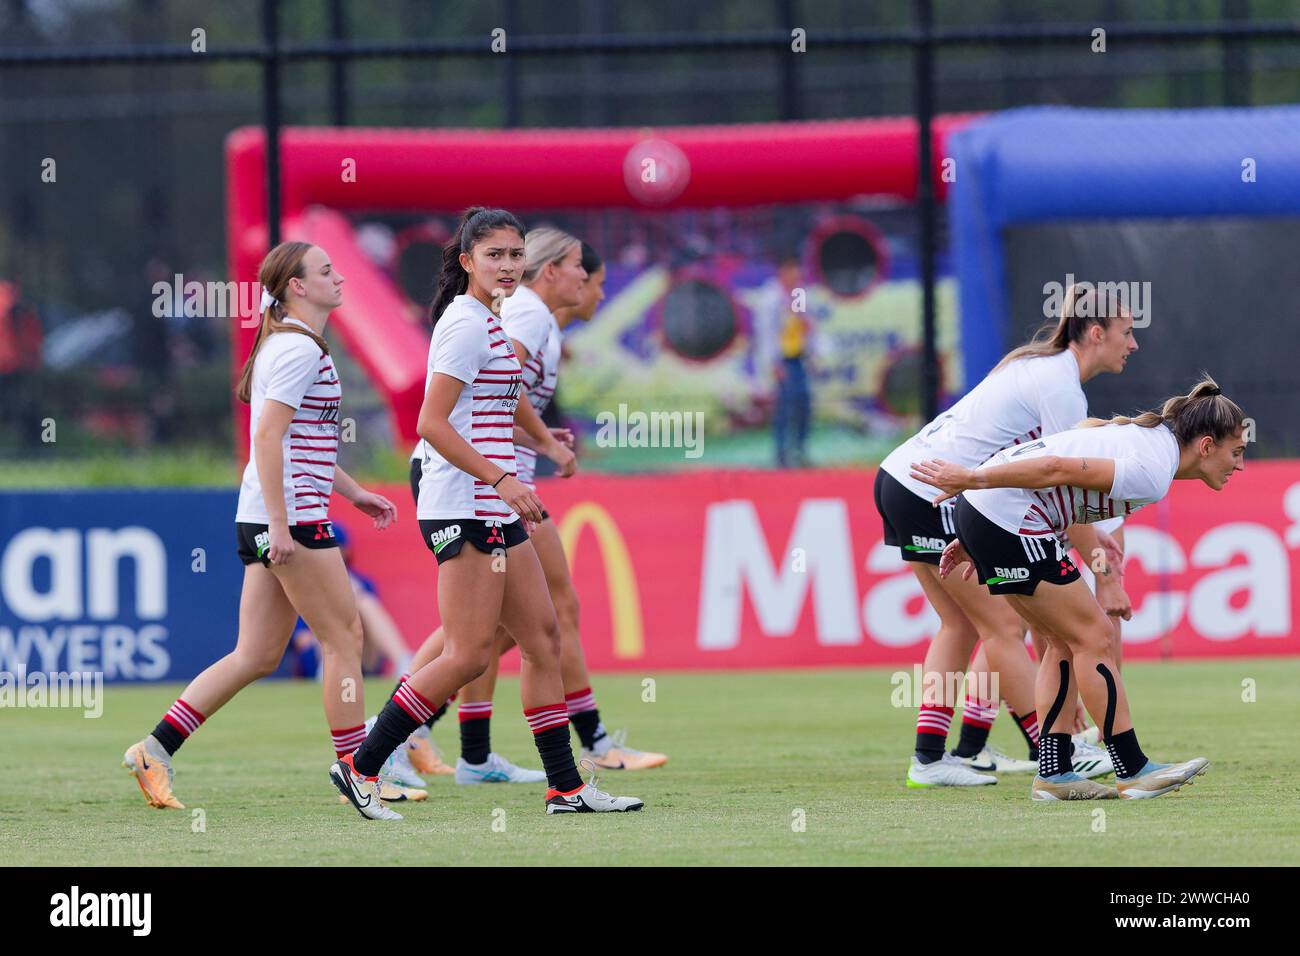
(566, 606)
(1093, 642)
(256, 666)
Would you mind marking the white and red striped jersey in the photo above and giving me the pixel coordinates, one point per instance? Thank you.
(1022, 401)
(1146, 460)
(470, 346)
(291, 369)
(526, 319)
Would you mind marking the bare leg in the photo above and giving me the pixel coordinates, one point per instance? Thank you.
(317, 583)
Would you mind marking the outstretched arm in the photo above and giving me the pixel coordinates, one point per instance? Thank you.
(1047, 471)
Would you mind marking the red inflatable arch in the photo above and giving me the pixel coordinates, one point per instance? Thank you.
(447, 170)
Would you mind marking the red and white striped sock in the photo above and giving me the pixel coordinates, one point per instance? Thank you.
(407, 698)
(932, 725)
(1028, 725)
(579, 701)
(978, 713)
(177, 724)
(347, 739)
(550, 727)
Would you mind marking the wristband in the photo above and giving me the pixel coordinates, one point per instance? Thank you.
(504, 475)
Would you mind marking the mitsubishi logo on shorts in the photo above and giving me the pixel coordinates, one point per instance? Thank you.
(494, 532)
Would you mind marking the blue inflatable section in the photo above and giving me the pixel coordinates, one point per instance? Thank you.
(1046, 164)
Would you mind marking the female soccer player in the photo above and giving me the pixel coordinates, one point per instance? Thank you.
(1011, 523)
(469, 494)
(292, 564)
(1035, 390)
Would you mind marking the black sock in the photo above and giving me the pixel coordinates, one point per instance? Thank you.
(929, 747)
(475, 739)
(1053, 754)
(587, 724)
(437, 715)
(391, 729)
(557, 759)
(167, 735)
(1126, 754)
(972, 740)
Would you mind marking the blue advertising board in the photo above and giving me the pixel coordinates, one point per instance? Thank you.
(137, 585)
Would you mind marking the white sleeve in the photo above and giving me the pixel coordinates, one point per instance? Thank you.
(459, 348)
(1061, 405)
(293, 370)
(530, 327)
(1136, 480)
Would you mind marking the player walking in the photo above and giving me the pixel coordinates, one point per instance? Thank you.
(292, 565)
(469, 494)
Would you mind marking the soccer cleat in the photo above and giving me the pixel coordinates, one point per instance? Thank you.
(496, 769)
(151, 766)
(362, 792)
(613, 753)
(1089, 760)
(390, 791)
(992, 760)
(1069, 786)
(587, 799)
(946, 772)
(398, 769)
(424, 755)
(1157, 778)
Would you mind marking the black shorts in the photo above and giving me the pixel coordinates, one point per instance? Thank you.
(316, 536)
(444, 536)
(913, 524)
(417, 471)
(1012, 563)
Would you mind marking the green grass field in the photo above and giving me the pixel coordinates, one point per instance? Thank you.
(747, 752)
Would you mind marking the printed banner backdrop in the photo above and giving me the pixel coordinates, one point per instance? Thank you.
(706, 570)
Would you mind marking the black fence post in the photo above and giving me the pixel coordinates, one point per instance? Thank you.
(338, 66)
(271, 117)
(925, 206)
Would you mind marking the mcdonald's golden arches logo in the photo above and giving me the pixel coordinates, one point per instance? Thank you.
(624, 595)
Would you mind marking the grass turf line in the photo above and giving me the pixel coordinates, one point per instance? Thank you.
(747, 750)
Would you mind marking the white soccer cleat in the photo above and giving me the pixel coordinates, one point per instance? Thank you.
(945, 772)
(1159, 778)
(992, 760)
(1069, 786)
(1090, 760)
(587, 799)
(496, 769)
(362, 792)
(398, 768)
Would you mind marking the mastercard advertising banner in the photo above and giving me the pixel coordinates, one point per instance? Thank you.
(722, 570)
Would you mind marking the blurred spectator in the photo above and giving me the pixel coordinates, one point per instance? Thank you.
(20, 358)
(782, 346)
(383, 649)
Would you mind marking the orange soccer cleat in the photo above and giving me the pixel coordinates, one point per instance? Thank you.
(424, 757)
(152, 769)
(618, 756)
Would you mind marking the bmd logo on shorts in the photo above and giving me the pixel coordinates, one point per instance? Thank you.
(440, 539)
(923, 545)
(1005, 575)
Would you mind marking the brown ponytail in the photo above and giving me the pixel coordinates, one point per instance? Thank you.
(281, 264)
(1080, 308)
(1205, 410)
